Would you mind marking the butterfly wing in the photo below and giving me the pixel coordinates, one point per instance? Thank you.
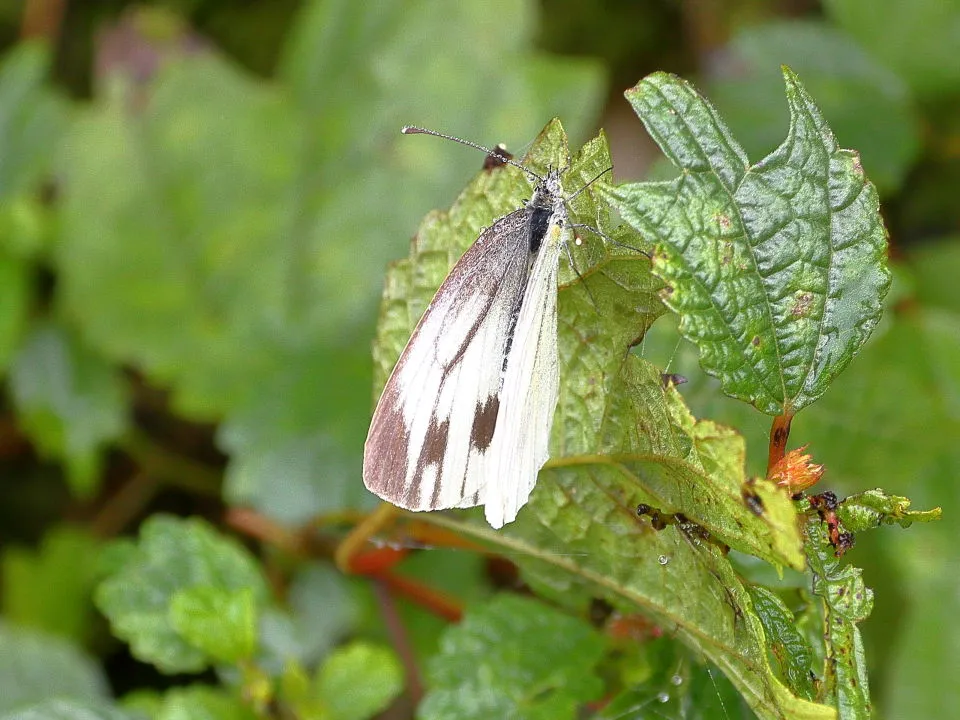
(528, 398)
(432, 430)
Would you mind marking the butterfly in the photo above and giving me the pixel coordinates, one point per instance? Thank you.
(466, 415)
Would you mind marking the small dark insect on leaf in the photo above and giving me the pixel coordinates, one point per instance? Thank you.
(826, 505)
(751, 499)
(657, 521)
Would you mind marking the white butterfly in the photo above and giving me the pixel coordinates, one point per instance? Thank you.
(465, 417)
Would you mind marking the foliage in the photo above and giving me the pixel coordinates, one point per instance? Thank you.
(192, 252)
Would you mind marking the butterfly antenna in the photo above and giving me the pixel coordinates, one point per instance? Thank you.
(609, 169)
(494, 153)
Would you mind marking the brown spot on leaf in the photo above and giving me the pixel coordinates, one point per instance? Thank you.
(802, 304)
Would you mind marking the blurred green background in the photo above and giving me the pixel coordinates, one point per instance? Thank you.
(198, 200)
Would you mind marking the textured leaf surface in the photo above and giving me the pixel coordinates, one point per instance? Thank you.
(358, 681)
(847, 601)
(173, 557)
(221, 623)
(35, 667)
(776, 270)
(620, 438)
(70, 401)
(787, 644)
(515, 658)
(892, 421)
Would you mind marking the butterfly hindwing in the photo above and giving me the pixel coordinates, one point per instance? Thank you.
(530, 391)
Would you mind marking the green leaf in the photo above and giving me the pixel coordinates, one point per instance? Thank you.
(320, 610)
(620, 437)
(32, 118)
(69, 400)
(194, 702)
(221, 623)
(847, 601)
(615, 425)
(189, 239)
(174, 557)
(15, 296)
(893, 421)
(283, 463)
(776, 270)
(872, 508)
(612, 555)
(918, 40)
(676, 686)
(257, 218)
(50, 588)
(787, 644)
(849, 85)
(450, 571)
(69, 710)
(517, 658)
(358, 680)
(35, 666)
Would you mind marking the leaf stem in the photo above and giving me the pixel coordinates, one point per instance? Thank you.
(779, 434)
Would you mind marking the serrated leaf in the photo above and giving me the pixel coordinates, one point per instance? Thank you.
(173, 556)
(847, 601)
(35, 666)
(357, 681)
(872, 508)
(893, 421)
(620, 437)
(47, 588)
(194, 702)
(69, 400)
(787, 645)
(675, 577)
(517, 658)
(777, 269)
(221, 623)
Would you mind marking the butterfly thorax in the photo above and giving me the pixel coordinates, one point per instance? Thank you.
(547, 201)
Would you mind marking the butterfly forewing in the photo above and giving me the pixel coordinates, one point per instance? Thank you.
(434, 424)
